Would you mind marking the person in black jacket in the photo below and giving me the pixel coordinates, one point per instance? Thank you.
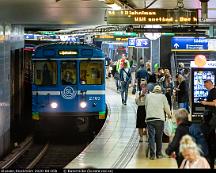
(182, 129)
(182, 92)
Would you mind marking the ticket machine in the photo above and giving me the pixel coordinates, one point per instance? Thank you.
(198, 92)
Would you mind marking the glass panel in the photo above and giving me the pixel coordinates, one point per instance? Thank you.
(68, 73)
(45, 73)
(91, 72)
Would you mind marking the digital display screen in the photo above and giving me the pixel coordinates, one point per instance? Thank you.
(152, 16)
(67, 52)
(200, 92)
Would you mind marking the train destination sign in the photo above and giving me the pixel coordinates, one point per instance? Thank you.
(153, 16)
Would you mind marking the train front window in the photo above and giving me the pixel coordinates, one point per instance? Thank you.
(45, 73)
(68, 73)
(91, 72)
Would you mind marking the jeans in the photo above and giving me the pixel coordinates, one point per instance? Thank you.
(124, 91)
(155, 130)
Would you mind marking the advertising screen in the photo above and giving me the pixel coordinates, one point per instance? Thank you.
(200, 92)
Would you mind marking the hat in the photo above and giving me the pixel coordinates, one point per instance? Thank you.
(157, 89)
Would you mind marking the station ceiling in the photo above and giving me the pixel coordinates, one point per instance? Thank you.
(78, 13)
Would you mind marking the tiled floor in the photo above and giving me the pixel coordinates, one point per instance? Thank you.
(117, 144)
(139, 159)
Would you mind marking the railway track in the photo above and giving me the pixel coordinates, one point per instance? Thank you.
(44, 156)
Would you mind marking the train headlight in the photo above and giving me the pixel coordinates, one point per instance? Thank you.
(54, 105)
(83, 104)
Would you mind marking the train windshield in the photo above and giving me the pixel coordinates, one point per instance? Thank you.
(91, 72)
(45, 73)
(68, 73)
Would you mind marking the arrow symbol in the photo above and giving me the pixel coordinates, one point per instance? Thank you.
(176, 45)
(145, 43)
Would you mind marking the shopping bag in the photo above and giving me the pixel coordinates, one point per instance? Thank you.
(168, 127)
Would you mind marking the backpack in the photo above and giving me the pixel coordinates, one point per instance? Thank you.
(199, 137)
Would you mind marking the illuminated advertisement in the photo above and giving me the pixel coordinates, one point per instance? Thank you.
(200, 92)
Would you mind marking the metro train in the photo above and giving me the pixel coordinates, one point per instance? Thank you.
(68, 88)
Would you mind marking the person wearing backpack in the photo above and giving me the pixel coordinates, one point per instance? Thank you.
(125, 78)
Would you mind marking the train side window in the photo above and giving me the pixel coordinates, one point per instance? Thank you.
(45, 73)
(91, 72)
(68, 73)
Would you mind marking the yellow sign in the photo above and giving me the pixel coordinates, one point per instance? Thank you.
(67, 52)
(153, 16)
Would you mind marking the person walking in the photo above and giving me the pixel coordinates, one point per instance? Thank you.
(141, 112)
(156, 104)
(125, 78)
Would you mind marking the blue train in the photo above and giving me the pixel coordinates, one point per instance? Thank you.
(68, 87)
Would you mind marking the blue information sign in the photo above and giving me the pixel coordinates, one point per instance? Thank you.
(142, 43)
(189, 43)
(131, 42)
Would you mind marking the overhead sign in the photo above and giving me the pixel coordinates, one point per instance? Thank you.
(189, 43)
(131, 42)
(123, 34)
(153, 16)
(142, 43)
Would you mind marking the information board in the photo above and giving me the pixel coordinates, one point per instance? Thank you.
(153, 16)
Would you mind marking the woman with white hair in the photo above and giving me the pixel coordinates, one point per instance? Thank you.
(191, 153)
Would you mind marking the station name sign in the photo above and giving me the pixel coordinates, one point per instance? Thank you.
(153, 16)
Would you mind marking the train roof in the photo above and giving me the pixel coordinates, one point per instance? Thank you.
(66, 49)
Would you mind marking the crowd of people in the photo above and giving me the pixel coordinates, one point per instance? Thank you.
(192, 145)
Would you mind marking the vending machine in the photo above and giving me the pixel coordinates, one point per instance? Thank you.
(198, 91)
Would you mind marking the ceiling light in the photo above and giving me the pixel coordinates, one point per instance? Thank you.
(114, 6)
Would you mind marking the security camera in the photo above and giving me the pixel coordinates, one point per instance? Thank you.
(204, 7)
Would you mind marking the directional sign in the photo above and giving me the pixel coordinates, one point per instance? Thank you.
(189, 43)
(131, 42)
(142, 43)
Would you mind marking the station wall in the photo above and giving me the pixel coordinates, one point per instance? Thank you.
(11, 38)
